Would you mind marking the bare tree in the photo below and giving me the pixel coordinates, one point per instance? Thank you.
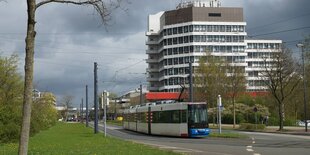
(281, 76)
(101, 7)
(67, 103)
(210, 79)
(236, 84)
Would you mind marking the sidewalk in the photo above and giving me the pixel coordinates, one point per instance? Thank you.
(293, 130)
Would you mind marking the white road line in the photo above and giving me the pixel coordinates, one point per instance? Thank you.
(249, 146)
(250, 150)
(167, 147)
(256, 154)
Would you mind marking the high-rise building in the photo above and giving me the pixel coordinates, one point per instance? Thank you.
(179, 36)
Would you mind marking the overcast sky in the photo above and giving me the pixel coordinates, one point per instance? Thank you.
(71, 38)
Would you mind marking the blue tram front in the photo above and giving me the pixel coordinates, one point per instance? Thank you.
(198, 125)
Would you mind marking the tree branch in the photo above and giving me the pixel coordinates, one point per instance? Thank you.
(67, 2)
(99, 5)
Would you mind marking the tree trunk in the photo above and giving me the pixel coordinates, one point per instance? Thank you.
(281, 114)
(234, 112)
(25, 128)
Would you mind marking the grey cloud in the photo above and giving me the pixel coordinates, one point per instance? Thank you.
(70, 39)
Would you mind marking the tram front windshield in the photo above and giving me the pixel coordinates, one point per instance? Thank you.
(198, 117)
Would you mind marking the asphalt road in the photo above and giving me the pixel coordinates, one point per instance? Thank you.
(256, 144)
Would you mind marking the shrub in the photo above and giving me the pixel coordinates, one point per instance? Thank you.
(251, 127)
(289, 122)
(273, 121)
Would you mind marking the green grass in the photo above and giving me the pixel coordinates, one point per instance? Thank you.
(76, 139)
(227, 135)
(115, 122)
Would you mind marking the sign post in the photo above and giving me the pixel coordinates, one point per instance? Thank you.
(255, 110)
(219, 104)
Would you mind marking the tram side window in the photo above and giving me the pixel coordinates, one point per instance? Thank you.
(183, 116)
(125, 117)
(138, 117)
(143, 118)
(175, 116)
(172, 116)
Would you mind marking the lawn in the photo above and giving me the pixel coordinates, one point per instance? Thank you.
(76, 139)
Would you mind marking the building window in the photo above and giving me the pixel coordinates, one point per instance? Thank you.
(215, 14)
(203, 28)
(175, 30)
(169, 51)
(176, 70)
(209, 28)
(180, 30)
(169, 32)
(169, 41)
(169, 61)
(228, 28)
(180, 50)
(175, 51)
(170, 71)
(185, 29)
(175, 41)
(180, 40)
(186, 49)
(191, 28)
(196, 28)
(175, 61)
(186, 39)
(181, 60)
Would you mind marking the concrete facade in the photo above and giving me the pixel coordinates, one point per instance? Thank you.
(179, 36)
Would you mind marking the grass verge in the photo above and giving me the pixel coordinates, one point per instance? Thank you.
(76, 139)
(227, 135)
(115, 122)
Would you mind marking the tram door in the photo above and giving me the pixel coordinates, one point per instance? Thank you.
(149, 120)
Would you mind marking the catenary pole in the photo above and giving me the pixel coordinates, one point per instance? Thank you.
(300, 45)
(190, 80)
(219, 104)
(95, 98)
(140, 94)
(86, 105)
(105, 112)
(82, 112)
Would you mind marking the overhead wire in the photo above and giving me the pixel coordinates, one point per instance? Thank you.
(279, 21)
(282, 31)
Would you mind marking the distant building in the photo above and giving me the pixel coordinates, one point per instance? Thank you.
(133, 97)
(176, 37)
(37, 95)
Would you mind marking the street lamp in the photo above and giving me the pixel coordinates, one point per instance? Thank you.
(300, 45)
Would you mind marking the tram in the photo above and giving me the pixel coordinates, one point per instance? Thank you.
(169, 118)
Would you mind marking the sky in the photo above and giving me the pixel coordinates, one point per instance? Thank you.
(71, 38)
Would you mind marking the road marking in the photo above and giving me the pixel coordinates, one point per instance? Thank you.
(249, 148)
(180, 151)
(277, 135)
(177, 149)
(256, 154)
(167, 147)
